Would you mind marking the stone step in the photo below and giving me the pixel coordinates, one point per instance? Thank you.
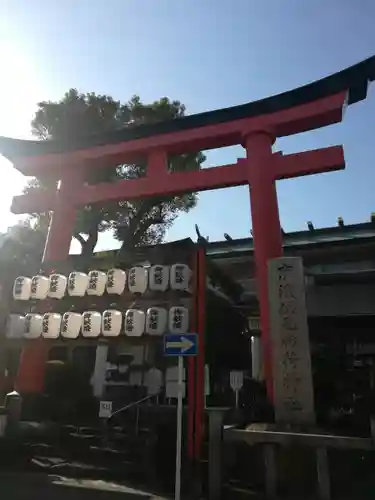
(79, 468)
(237, 491)
(98, 455)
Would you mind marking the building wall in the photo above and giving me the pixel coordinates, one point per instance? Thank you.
(341, 300)
(338, 299)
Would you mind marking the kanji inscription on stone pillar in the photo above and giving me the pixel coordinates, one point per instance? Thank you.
(293, 386)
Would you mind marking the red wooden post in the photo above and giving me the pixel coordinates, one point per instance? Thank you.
(200, 361)
(31, 371)
(266, 230)
(191, 365)
(63, 219)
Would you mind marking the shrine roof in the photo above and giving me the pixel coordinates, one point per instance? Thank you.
(353, 80)
(356, 233)
(328, 236)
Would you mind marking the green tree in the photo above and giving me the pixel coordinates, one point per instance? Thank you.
(21, 250)
(134, 223)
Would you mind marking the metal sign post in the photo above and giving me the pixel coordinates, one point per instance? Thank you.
(181, 346)
(236, 383)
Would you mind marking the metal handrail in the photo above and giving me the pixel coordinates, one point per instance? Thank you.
(132, 404)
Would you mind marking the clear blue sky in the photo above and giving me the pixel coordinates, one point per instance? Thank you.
(209, 54)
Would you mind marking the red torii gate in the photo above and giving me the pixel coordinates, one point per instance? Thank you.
(256, 126)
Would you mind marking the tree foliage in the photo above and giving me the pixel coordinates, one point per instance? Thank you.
(21, 251)
(134, 223)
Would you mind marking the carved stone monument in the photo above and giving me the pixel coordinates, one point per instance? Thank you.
(291, 362)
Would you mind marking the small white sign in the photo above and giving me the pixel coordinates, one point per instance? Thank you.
(105, 409)
(236, 380)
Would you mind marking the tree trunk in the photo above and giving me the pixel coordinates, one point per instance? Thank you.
(90, 244)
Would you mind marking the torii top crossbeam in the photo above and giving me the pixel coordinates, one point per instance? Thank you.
(255, 125)
(37, 157)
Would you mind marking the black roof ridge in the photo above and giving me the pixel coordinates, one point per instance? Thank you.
(353, 79)
(324, 230)
(224, 243)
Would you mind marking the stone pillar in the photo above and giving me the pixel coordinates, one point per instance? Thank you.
(215, 430)
(98, 377)
(13, 406)
(256, 358)
(293, 386)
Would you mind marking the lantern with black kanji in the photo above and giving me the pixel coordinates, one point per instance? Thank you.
(71, 325)
(137, 280)
(178, 320)
(159, 278)
(116, 281)
(111, 323)
(77, 284)
(180, 277)
(97, 282)
(51, 325)
(39, 287)
(156, 320)
(57, 286)
(134, 325)
(22, 288)
(91, 324)
(33, 326)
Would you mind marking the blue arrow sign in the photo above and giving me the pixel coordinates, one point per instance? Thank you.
(181, 345)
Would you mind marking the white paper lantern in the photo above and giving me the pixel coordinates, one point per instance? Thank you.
(111, 323)
(15, 326)
(178, 321)
(91, 324)
(116, 281)
(77, 284)
(153, 381)
(97, 282)
(71, 325)
(156, 320)
(33, 326)
(159, 278)
(22, 288)
(180, 277)
(51, 325)
(137, 279)
(134, 323)
(39, 287)
(57, 286)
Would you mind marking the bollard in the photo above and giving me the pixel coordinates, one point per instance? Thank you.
(324, 482)
(372, 427)
(3, 421)
(13, 407)
(215, 443)
(270, 466)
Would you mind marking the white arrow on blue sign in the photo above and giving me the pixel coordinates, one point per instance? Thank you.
(181, 345)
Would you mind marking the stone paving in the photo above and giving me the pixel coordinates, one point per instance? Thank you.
(27, 486)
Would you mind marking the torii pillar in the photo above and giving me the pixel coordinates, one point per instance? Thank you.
(266, 227)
